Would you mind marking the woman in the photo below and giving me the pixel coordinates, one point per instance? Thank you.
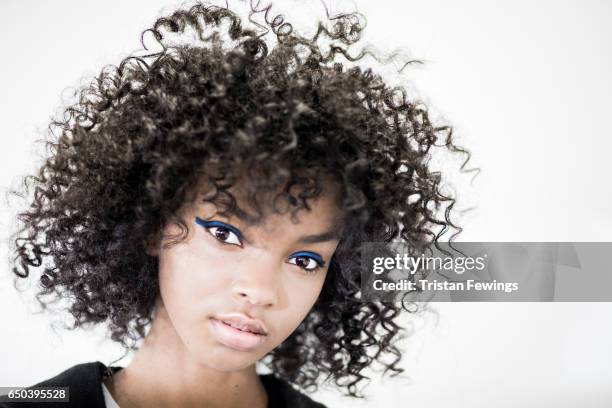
(207, 202)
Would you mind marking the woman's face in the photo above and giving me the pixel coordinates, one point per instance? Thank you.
(234, 291)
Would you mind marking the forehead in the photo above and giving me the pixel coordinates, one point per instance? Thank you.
(267, 208)
(321, 210)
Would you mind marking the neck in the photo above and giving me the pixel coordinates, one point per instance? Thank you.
(163, 374)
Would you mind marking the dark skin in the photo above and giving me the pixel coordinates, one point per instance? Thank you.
(140, 385)
(213, 272)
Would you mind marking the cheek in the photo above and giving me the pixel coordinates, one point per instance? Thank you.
(192, 286)
(185, 273)
(191, 282)
(301, 293)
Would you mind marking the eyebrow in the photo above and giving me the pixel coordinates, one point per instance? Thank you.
(313, 239)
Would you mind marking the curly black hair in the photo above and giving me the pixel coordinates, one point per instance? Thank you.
(147, 132)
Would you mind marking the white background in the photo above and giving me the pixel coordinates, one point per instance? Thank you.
(528, 88)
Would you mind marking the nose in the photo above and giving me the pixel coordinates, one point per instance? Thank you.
(258, 282)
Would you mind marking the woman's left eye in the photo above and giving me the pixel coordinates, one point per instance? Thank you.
(307, 262)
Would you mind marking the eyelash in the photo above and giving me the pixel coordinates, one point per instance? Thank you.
(209, 225)
(303, 254)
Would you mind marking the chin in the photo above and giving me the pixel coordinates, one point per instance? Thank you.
(223, 359)
(217, 356)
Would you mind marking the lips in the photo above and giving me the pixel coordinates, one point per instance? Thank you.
(238, 332)
(242, 322)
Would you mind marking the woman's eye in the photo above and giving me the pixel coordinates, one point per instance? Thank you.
(224, 235)
(221, 231)
(306, 262)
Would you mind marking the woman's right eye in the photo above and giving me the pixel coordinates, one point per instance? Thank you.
(224, 235)
(221, 231)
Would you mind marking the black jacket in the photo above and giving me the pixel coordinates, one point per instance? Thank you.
(85, 382)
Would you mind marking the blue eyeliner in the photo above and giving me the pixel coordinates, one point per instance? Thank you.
(211, 224)
(312, 255)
